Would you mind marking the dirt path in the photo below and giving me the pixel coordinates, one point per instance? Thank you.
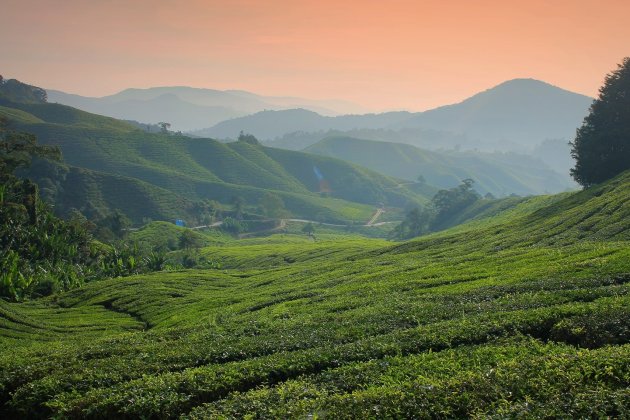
(282, 225)
(375, 216)
(371, 223)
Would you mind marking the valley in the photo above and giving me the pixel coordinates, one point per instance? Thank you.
(461, 262)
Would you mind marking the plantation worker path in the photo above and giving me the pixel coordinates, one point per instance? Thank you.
(375, 216)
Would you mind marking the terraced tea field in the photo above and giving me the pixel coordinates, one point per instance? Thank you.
(522, 314)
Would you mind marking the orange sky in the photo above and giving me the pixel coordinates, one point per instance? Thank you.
(382, 54)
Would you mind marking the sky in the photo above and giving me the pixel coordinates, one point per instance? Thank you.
(393, 54)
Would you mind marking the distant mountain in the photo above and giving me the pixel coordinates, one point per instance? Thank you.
(497, 173)
(423, 138)
(189, 108)
(268, 125)
(517, 115)
(166, 107)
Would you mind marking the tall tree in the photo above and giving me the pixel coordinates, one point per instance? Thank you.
(601, 148)
(238, 203)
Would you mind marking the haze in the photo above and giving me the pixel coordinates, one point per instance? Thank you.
(383, 55)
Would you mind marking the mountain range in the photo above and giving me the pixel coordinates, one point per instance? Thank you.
(516, 115)
(187, 108)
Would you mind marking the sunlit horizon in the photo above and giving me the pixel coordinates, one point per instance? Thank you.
(403, 55)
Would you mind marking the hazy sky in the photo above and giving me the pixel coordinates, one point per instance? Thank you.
(387, 54)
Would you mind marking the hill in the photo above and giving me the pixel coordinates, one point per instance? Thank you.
(521, 315)
(195, 169)
(497, 173)
(188, 108)
(267, 125)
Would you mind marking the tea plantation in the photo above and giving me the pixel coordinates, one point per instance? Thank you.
(525, 313)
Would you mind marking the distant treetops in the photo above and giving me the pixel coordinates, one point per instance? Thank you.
(16, 91)
(602, 144)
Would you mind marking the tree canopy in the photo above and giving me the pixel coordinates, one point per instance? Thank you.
(16, 91)
(601, 148)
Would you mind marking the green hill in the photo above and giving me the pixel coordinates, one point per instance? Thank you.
(497, 173)
(193, 169)
(524, 314)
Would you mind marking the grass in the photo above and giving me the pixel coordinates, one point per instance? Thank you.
(523, 314)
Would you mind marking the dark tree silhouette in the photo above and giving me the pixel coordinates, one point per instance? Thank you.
(247, 138)
(164, 127)
(601, 148)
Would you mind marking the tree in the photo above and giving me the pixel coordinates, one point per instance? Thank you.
(16, 91)
(272, 205)
(601, 148)
(247, 138)
(206, 210)
(238, 204)
(164, 126)
(188, 239)
(17, 149)
(233, 226)
(39, 253)
(116, 222)
(309, 229)
(416, 223)
(448, 203)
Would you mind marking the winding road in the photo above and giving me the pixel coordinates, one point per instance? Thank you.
(371, 223)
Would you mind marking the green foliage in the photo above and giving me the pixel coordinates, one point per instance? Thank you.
(449, 208)
(309, 229)
(188, 239)
(417, 222)
(233, 226)
(41, 254)
(499, 173)
(524, 314)
(115, 223)
(248, 138)
(14, 90)
(272, 206)
(155, 261)
(238, 205)
(164, 236)
(602, 144)
(448, 203)
(18, 148)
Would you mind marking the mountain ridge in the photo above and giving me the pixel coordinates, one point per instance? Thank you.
(204, 107)
(515, 115)
(500, 174)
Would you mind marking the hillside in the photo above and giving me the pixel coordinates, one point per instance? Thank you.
(96, 193)
(521, 315)
(195, 169)
(188, 108)
(497, 173)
